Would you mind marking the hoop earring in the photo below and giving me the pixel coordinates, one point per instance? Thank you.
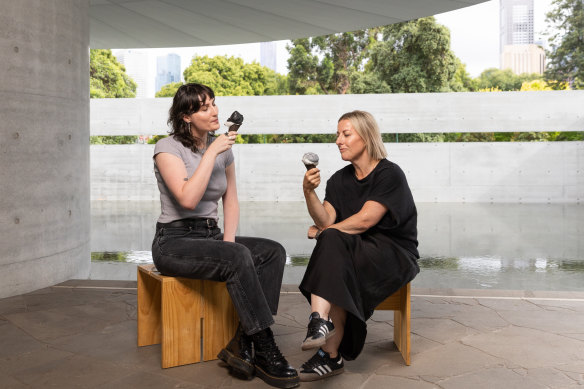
(188, 126)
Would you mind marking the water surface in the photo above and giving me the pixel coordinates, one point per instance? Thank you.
(477, 246)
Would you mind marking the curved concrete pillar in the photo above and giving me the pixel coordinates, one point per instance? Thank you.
(44, 143)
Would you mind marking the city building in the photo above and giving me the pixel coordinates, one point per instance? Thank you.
(138, 67)
(516, 22)
(523, 58)
(516, 46)
(268, 55)
(167, 70)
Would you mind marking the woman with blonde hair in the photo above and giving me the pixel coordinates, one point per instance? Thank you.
(366, 245)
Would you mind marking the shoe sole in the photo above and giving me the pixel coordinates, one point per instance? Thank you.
(308, 377)
(310, 344)
(239, 365)
(278, 382)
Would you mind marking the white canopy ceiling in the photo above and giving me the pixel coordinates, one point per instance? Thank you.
(186, 23)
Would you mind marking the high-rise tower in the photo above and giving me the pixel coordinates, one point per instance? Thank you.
(516, 17)
(516, 48)
(167, 70)
(268, 54)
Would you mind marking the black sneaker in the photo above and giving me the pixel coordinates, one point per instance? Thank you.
(320, 366)
(319, 330)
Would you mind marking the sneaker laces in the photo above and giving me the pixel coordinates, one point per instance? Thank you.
(316, 360)
(314, 326)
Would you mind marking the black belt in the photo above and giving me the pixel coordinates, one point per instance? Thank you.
(192, 223)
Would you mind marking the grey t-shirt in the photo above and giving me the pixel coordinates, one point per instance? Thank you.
(207, 207)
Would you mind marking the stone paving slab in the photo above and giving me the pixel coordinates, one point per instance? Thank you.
(82, 334)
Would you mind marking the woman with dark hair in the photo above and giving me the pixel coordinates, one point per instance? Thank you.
(366, 245)
(194, 170)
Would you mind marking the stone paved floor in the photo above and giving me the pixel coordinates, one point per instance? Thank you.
(82, 334)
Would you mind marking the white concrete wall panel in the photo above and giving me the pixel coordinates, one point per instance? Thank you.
(44, 106)
(403, 113)
(437, 172)
(123, 172)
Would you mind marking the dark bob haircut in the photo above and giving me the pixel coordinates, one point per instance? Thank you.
(187, 100)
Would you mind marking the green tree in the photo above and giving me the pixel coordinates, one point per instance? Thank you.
(414, 56)
(113, 140)
(535, 85)
(504, 80)
(303, 68)
(368, 82)
(230, 76)
(168, 90)
(566, 57)
(327, 64)
(107, 77)
(462, 81)
(156, 138)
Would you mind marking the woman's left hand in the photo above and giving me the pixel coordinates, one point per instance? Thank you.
(312, 230)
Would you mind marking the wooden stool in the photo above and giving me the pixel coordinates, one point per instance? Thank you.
(399, 302)
(193, 319)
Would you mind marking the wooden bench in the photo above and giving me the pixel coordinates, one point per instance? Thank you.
(193, 319)
(399, 302)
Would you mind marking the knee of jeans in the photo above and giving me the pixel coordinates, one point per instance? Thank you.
(279, 252)
(242, 259)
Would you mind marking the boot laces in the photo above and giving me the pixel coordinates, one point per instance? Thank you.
(268, 346)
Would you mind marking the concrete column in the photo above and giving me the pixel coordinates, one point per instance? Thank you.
(44, 143)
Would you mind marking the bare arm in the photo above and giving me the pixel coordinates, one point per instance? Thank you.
(189, 192)
(369, 215)
(230, 206)
(323, 214)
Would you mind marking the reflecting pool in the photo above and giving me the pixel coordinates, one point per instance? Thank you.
(475, 246)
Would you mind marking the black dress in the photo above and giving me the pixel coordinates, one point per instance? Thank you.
(357, 272)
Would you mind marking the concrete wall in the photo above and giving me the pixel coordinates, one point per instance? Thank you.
(44, 153)
(531, 172)
(407, 112)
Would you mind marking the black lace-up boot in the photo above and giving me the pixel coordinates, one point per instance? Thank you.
(270, 364)
(238, 354)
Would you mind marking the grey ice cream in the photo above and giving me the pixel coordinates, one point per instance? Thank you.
(234, 121)
(310, 160)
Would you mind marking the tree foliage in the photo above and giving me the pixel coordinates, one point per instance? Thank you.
(462, 81)
(107, 77)
(535, 85)
(230, 76)
(168, 90)
(504, 80)
(113, 139)
(414, 56)
(566, 57)
(327, 64)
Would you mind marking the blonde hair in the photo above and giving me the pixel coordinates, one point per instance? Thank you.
(366, 126)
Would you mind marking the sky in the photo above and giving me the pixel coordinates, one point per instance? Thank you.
(474, 34)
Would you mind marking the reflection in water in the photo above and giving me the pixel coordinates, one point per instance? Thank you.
(122, 256)
(503, 246)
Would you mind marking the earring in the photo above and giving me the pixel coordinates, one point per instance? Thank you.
(188, 126)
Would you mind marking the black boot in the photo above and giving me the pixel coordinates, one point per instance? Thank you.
(270, 364)
(238, 354)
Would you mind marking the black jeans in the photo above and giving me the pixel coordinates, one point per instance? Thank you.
(251, 267)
